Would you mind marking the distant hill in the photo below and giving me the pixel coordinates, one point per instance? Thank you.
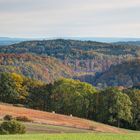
(126, 74)
(41, 68)
(129, 43)
(9, 41)
(62, 49)
(104, 39)
(83, 56)
(84, 60)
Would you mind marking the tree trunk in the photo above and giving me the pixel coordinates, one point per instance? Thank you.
(119, 123)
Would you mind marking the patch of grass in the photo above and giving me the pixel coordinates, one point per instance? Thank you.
(44, 128)
(92, 136)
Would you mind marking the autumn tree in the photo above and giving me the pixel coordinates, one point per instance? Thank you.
(21, 89)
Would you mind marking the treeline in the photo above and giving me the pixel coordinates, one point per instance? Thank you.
(61, 48)
(112, 105)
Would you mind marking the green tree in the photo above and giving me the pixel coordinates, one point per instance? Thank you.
(8, 92)
(114, 107)
(72, 97)
(134, 95)
(38, 97)
(32, 87)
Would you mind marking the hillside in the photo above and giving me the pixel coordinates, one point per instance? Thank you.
(56, 119)
(83, 56)
(56, 47)
(83, 60)
(41, 68)
(125, 74)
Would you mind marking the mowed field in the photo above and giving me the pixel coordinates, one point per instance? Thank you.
(41, 118)
(81, 136)
(50, 126)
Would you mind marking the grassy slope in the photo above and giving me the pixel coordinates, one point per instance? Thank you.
(35, 128)
(57, 120)
(92, 136)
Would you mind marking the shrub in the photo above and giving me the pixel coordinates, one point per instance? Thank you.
(8, 117)
(23, 119)
(12, 127)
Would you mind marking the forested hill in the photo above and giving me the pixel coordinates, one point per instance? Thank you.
(90, 61)
(83, 56)
(126, 74)
(72, 48)
(129, 43)
(41, 68)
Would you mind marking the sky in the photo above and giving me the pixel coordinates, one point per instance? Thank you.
(70, 18)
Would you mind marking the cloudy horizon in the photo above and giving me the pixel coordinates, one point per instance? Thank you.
(65, 18)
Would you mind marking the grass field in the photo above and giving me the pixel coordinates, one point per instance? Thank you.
(49, 126)
(34, 128)
(64, 122)
(91, 136)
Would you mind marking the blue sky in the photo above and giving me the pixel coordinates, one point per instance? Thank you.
(70, 18)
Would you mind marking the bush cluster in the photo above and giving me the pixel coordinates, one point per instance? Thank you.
(12, 127)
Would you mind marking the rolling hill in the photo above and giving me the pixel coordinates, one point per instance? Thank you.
(82, 56)
(70, 47)
(129, 43)
(83, 60)
(53, 119)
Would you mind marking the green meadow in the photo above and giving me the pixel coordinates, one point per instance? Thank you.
(89, 136)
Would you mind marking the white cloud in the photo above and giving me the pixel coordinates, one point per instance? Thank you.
(70, 18)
